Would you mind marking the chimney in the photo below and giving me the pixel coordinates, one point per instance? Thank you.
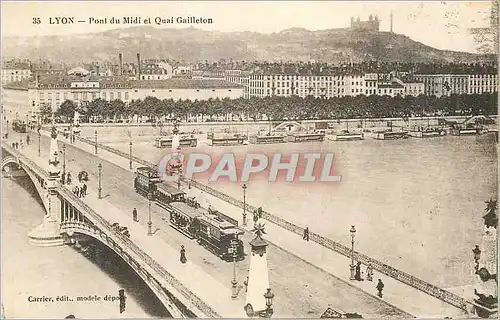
(120, 58)
(138, 66)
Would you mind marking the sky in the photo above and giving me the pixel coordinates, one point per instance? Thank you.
(440, 24)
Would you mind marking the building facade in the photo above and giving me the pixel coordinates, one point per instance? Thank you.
(15, 71)
(54, 92)
(372, 24)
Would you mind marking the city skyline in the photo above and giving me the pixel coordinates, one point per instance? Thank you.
(443, 25)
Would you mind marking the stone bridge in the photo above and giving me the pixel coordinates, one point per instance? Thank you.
(67, 215)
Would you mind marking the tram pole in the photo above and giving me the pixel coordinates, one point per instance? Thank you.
(352, 266)
(100, 178)
(95, 138)
(244, 187)
(130, 155)
(234, 282)
(150, 223)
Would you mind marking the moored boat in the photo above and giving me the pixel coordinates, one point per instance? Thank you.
(226, 139)
(267, 139)
(345, 135)
(184, 141)
(391, 135)
(306, 136)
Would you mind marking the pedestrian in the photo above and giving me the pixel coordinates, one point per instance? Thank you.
(183, 255)
(246, 284)
(380, 287)
(134, 215)
(63, 178)
(68, 178)
(13, 145)
(357, 276)
(306, 234)
(28, 140)
(81, 192)
(84, 189)
(369, 272)
(76, 191)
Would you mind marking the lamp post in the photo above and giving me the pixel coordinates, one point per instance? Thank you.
(234, 282)
(130, 155)
(39, 137)
(150, 223)
(244, 187)
(352, 266)
(100, 177)
(269, 302)
(95, 138)
(64, 160)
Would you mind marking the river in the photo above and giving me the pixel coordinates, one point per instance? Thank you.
(61, 271)
(417, 204)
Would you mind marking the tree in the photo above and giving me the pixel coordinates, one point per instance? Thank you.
(491, 218)
(46, 112)
(66, 109)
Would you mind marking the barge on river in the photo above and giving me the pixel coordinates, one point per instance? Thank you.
(391, 135)
(306, 137)
(345, 135)
(464, 131)
(226, 139)
(428, 133)
(267, 139)
(184, 141)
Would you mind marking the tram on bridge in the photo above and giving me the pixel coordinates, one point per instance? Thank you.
(212, 229)
(19, 126)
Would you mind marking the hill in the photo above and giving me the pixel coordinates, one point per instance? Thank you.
(190, 44)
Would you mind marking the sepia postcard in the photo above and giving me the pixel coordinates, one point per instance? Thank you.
(249, 159)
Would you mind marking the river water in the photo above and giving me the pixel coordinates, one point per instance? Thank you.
(417, 204)
(61, 271)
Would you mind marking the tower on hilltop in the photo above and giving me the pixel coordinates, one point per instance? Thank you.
(372, 24)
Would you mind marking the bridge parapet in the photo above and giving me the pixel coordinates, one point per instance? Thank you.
(150, 268)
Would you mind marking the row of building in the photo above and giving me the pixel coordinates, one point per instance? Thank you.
(45, 85)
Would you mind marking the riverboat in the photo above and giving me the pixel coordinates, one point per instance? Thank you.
(306, 136)
(390, 135)
(184, 141)
(226, 139)
(427, 133)
(345, 135)
(267, 139)
(464, 131)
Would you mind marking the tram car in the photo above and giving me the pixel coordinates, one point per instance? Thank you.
(145, 181)
(19, 126)
(216, 234)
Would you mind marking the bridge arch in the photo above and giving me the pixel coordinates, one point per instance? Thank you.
(72, 227)
(10, 161)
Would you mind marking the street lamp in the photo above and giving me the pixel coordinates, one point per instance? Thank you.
(39, 137)
(95, 138)
(234, 282)
(100, 177)
(352, 266)
(64, 160)
(244, 187)
(130, 155)
(150, 224)
(269, 302)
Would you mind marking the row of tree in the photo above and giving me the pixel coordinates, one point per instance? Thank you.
(280, 108)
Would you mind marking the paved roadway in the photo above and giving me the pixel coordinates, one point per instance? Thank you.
(302, 290)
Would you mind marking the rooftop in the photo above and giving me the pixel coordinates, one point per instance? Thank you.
(54, 82)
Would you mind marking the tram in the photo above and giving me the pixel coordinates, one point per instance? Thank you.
(212, 229)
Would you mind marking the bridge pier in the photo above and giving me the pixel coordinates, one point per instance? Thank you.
(48, 234)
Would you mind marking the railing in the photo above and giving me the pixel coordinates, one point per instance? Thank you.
(104, 225)
(402, 276)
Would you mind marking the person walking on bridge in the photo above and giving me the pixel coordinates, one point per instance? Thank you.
(369, 272)
(183, 255)
(68, 178)
(380, 287)
(306, 234)
(134, 215)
